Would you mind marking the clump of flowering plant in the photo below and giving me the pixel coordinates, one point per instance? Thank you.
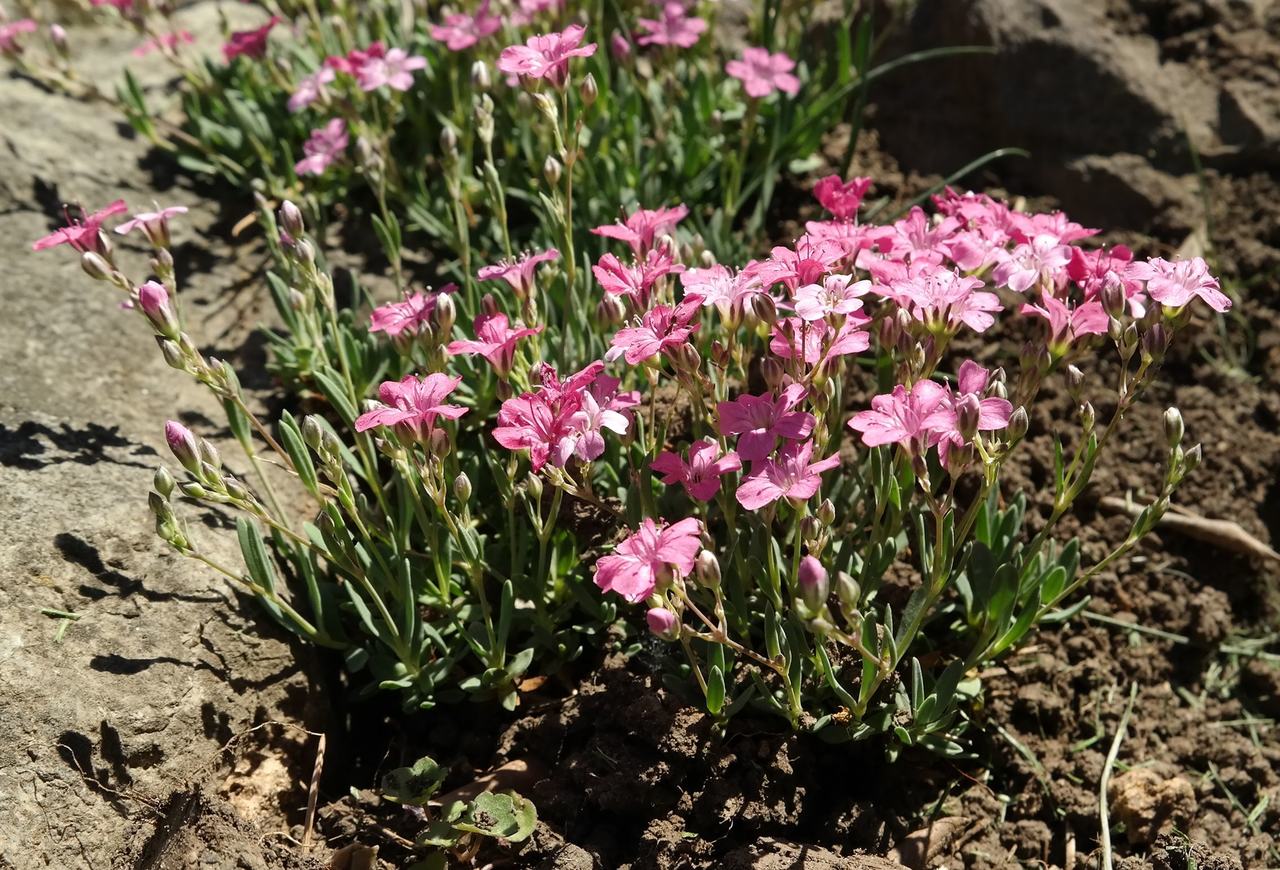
(754, 449)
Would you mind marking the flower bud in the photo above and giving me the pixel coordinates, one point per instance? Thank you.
(764, 307)
(588, 90)
(533, 485)
(172, 353)
(183, 444)
(968, 414)
(489, 305)
(547, 107)
(462, 487)
(291, 220)
(1087, 417)
(706, 568)
(312, 431)
(1018, 424)
(1129, 340)
(193, 490)
(449, 141)
(1113, 297)
(771, 370)
(848, 591)
(438, 443)
(814, 584)
(1174, 428)
(552, 171)
(826, 512)
(1075, 381)
(1192, 459)
(445, 314)
(153, 299)
(330, 443)
(663, 623)
(1155, 341)
(159, 504)
(480, 79)
(305, 251)
(163, 481)
(610, 311)
(209, 454)
(235, 489)
(58, 36)
(95, 266)
(810, 528)
(619, 47)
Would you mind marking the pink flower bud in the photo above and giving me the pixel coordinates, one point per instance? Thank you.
(153, 299)
(814, 583)
(968, 412)
(183, 444)
(663, 623)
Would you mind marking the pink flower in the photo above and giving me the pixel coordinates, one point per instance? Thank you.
(546, 56)
(944, 299)
(841, 198)
(716, 285)
(903, 417)
(394, 70)
(791, 476)
(635, 280)
(10, 31)
(311, 88)
(1177, 283)
(662, 623)
(528, 10)
(1042, 260)
(643, 226)
(915, 237)
(164, 42)
(80, 234)
(837, 294)
(966, 412)
(413, 405)
(155, 224)
(1063, 230)
(461, 31)
(326, 145)
(601, 408)
(1067, 324)
(408, 315)
(807, 263)
(812, 342)
(660, 329)
(675, 27)
(356, 58)
(651, 555)
(762, 73)
(519, 273)
(496, 341)
(760, 421)
(1093, 270)
(700, 476)
(249, 43)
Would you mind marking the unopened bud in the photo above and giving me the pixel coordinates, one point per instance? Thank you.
(330, 444)
(810, 528)
(1075, 381)
(163, 481)
(771, 370)
(1129, 340)
(446, 313)
(449, 141)
(462, 487)
(153, 299)
(619, 47)
(159, 504)
(235, 489)
(1113, 297)
(533, 485)
(1192, 459)
(209, 454)
(826, 512)
(183, 444)
(1155, 341)
(489, 305)
(305, 251)
(848, 591)
(968, 414)
(1174, 428)
(291, 220)
(814, 584)
(588, 90)
(764, 307)
(58, 36)
(706, 568)
(663, 623)
(1018, 424)
(95, 266)
(193, 490)
(480, 79)
(686, 358)
(552, 171)
(610, 311)
(312, 431)
(1087, 417)
(547, 107)
(172, 353)
(438, 443)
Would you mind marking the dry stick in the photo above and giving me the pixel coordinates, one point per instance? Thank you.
(313, 793)
(1106, 778)
(1223, 533)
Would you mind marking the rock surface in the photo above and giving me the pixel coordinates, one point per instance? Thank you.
(113, 723)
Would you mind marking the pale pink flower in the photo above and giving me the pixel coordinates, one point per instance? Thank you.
(903, 417)
(841, 198)
(651, 555)
(1066, 324)
(249, 43)
(311, 88)
(943, 299)
(518, 274)
(849, 237)
(409, 315)
(598, 411)
(915, 237)
(460, 31)
(325, 146)
(155, 224)
(759, 421)
(643, 226)
(791, 476)
(837, 294)
(1026, 227)
(412, 405)
(718, 286)
(1093, 270)
(80, 234)
(561, 419)
(660, 330)
(967, 411)
(1174, 284)
(356, 58)
(164, 42)
(495, 341)
(807, 263)
(762, 73)
(394, 70)
(535, 423)
(812, 342)
(700, 476)
(546, 56)
(10, 31)
(527, 10)
(676, 27)
(1041, 261)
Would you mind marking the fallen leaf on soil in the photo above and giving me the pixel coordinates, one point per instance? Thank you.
(354, 857)
(1150, 805)
(514, 775)
(1222, 533)
(919, 848)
